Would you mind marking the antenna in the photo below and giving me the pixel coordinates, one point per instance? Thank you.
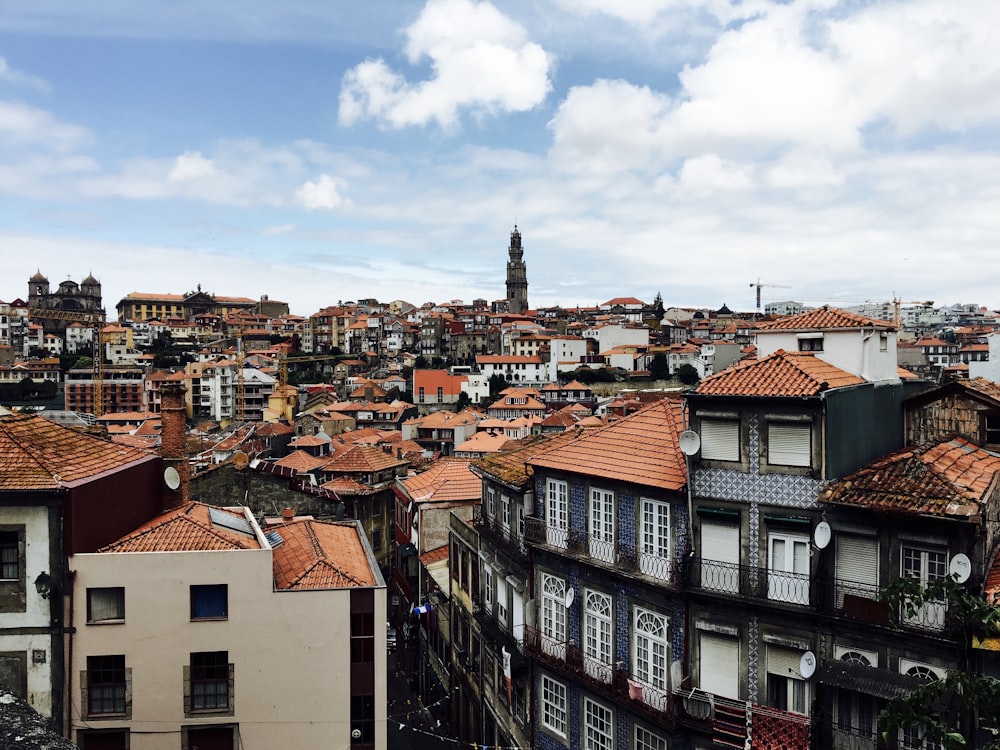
(822, 534)
(807, 664)
(570, 594)
(960, 567)
(690, 442)
(171, 478)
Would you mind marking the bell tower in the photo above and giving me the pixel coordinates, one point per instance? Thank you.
(517, 275)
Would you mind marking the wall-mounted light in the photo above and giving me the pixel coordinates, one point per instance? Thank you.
(43, 584)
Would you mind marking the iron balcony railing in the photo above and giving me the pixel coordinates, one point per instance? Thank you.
(750, 581)
(498, 533)
(603, 551)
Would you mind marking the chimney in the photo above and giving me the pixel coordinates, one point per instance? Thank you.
(287, 515)
(173, 443)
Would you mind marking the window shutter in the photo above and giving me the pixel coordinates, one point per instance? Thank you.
(789, 444)
(857, 559)
(720, 661)
(720, 439)
(720, 542)
(784, 662)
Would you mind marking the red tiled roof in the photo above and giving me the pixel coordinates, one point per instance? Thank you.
(364, 458)
(302, 461)
(949, 479)
(320, 555)
(185, 529)
(824, 319)
(641, 448)
(38, 454)
(780, 374)
(447, 480)
(435, 555)
(511, 464)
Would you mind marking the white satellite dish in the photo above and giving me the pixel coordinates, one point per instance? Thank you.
(690, 442)
(960, 567)
(807, 665)
(171, 478)
(822, 534)
(569, 597)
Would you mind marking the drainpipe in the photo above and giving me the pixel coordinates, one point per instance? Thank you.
(70, 632)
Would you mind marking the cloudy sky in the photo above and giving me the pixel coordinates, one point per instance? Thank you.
(325, 150)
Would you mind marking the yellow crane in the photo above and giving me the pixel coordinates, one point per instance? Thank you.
(98, 348)
(240, 382)
(896, 302)
(758, 285)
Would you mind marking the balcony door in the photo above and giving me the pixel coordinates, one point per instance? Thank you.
(788, 568)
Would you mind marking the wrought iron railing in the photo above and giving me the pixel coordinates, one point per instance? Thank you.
(491, 527)
(750, 581)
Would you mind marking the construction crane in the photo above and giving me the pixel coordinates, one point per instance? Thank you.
(283, 363)
(98, 347)
(896, 302)
(758, 285)
(240, 382)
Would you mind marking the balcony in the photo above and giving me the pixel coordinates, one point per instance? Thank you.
(610, 681)
(492, 529)
(750, 582)
(737, 724)
(607, 553)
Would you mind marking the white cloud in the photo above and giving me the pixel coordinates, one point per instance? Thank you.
(191, 166)
(278, 230)
(707, 173)
(19, 78)
(483, 63)
(323, 194)
(22, 124)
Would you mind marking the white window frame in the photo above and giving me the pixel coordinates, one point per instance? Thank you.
(598, 726)
(787, 560)
(556, 513)
(598, 634)
(505, 512)
(654, 538)
(491, 504)
(488, 584)
(784, 679)
(646, 740)
(554, 708)
(925, 564)
(553, 619)
(720, 439)
(601, 524)
(651, 655)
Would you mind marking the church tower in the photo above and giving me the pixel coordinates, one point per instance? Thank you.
(517, 275)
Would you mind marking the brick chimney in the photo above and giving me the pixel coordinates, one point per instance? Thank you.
(288, 515)
(173, 443)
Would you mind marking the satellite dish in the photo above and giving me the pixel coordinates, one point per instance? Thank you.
(690, 442)
(241, 460)
(807, 664)
(569, 597)
(822, 534)
(171, 478)
(960, 567)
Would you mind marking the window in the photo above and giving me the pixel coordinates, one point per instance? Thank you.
(488, 587)
(788, 568)
(926, 565)
(106, 686)
(13, 591)
(553, 705)
(598, 726)
(362, 719)
(651, 648)
(210, 737)
(719, 663)
(654, 538)
(210, 602)
(505, 512)
(556, 513)
(789, 444)
(856, 714)
(103, 739)
(597, 628)
(553, 616)
(10, 556)
(646, 740)
(601, 523)
(106, 605)
(720, 439)
(209, 682)
(810, 342)
(362, 637)
(786, 690)
(491, 503)
(991, 429)
(913, 739)
(720, 557)
(502, 601)
(856, 568)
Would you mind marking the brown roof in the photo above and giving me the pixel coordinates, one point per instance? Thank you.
(38, 454)
(320, 555)
(780, 374)
(511, 464)
(364, 458)
(447, 480)
(302, 461)
(185, 529)
(435, 555)
(825, 319)
(950, 479)
(641, 448)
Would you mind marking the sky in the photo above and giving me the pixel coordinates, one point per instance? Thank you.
(320, 151)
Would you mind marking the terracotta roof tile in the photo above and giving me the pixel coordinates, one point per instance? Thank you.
(364, 458)
(950, 479)
(641, 448)
(447, 480)
(320, 555)
(824, 319)
(302, 461)
(511, 464)
(783, 373)
(39, 454)
(435, 555)
(185, 529)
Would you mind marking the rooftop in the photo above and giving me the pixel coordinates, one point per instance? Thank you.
(787, 374)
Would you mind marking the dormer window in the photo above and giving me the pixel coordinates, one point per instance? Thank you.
(810, 342)
(991, 429)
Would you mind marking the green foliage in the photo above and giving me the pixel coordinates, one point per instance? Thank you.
(463, 401)
(659, 368)
(420, 363)
(944, 712)
(83, 363)
(687, 374)
(497, 383)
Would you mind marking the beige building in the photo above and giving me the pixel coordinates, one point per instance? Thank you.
(200, 629)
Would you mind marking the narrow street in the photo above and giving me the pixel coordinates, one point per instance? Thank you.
(419, 729)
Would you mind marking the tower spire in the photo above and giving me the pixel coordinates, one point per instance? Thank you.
(517, 275)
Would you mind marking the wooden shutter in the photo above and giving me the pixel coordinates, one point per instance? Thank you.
(720, 439)
(720, 660)
(720, 542)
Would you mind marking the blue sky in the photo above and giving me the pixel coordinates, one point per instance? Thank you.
(325, 150)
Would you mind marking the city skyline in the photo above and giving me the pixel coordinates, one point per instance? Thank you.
(317, 152)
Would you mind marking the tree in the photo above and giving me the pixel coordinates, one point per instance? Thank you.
(687, 374)
(497, 383)
(659, 368)
(420, 362)
(463, 401)
(946, 713)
